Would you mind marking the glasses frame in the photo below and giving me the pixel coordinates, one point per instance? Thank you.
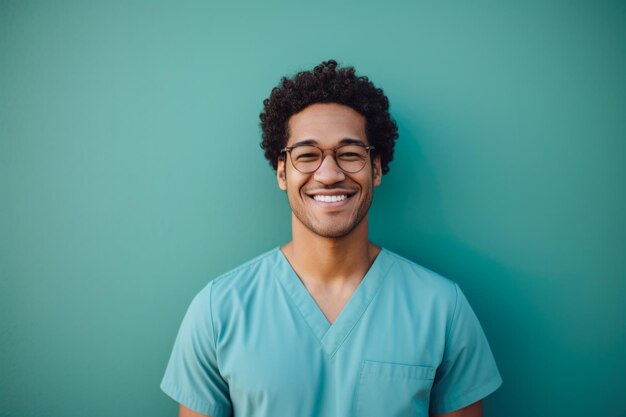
(288, 149)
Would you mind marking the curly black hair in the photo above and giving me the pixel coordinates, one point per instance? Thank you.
(328, 84)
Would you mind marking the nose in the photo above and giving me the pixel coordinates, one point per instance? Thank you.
(329, 172)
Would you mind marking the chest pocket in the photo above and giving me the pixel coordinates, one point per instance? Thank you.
(393, 390)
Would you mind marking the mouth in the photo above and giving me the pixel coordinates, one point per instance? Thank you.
(330, 198)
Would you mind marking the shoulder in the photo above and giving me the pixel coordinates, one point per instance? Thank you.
(250, 271)
(416, 274)
(427, 285)
(240, 281)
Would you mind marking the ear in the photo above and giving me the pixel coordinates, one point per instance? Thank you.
(377, 174)
(281, 175)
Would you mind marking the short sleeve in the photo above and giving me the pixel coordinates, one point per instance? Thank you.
(468, 371)
(192, 377)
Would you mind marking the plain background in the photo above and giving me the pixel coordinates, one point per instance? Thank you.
(131, 175)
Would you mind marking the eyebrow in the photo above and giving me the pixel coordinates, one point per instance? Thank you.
(344, 141)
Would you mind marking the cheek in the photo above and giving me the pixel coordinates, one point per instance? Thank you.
(293, 184)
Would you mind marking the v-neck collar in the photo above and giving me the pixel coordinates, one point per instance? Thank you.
(332, 336)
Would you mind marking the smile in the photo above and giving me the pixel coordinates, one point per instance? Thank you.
(330, 198)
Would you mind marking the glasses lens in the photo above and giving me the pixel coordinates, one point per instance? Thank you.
(351, 158)
(306, 159)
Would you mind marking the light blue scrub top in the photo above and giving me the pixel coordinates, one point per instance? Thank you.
(254, 343)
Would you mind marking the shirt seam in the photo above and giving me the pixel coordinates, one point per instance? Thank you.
(213, 335)
(454, 313)
(297, 307)
(380, 285)
(475, 394)
(194, 403)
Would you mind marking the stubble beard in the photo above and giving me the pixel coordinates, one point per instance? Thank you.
(337, 229)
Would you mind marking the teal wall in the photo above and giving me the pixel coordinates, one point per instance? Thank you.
(130, 175)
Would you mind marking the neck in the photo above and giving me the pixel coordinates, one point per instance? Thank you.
(326, 260)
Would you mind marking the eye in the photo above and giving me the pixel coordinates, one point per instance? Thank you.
(351, 153)
(306, 156)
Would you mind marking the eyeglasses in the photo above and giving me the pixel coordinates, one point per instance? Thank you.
(351, 158)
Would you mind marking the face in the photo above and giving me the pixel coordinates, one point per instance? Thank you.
(329, 202)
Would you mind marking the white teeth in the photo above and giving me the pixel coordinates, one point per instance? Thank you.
(330, 198)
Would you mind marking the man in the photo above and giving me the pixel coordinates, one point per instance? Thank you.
(330, 325)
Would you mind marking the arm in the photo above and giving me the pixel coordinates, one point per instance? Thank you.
(473, 410)
(467, 372)
(192, 376)
(185, 412)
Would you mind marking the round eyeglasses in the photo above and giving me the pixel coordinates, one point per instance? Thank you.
(350, 158)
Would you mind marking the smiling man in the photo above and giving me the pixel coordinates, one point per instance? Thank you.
(330, 324)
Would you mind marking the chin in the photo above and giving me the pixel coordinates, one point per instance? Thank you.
(332, 234)
(333, 231)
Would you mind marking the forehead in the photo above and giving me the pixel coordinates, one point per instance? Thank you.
(326, 124)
